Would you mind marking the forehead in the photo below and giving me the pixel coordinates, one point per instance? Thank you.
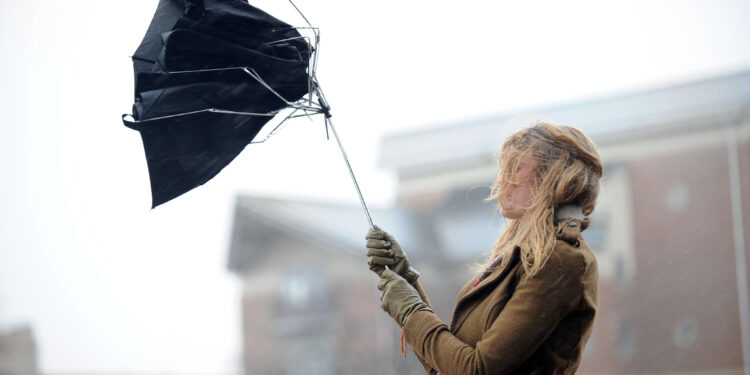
(514, 158)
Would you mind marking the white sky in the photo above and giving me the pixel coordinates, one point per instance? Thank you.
(110, 286)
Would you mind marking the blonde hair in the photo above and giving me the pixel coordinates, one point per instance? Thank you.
(566, 170)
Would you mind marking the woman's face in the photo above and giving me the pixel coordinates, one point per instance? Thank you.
(520, 192)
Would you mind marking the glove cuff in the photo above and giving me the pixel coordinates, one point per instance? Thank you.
(411, 275)
(411, 311)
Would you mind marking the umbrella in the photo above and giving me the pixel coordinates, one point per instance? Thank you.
(208, 76)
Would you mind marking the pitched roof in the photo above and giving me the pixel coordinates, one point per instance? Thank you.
(606, 120)
(462, 229)
(341, 228)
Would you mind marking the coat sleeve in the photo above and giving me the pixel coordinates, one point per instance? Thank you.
(530, 315)
(423, 294)
(430, 370)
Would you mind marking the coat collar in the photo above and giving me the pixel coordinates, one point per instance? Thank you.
(569, 223)
(574, 221)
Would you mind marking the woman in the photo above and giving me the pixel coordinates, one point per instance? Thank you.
(531, 307)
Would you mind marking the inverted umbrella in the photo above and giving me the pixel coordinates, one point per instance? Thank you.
(208, 76)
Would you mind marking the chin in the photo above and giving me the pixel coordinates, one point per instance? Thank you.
(511, 214)
(508, 215)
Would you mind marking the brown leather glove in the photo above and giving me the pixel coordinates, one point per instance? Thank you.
(399, 299)
(384, 251)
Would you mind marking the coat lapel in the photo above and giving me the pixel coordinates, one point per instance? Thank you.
(469, 289)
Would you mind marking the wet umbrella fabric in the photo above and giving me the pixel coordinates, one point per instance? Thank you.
(208, 76)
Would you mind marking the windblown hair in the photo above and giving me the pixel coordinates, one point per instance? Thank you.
(566, 170)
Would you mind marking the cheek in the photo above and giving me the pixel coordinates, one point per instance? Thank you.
(525, 195)
(519, 197)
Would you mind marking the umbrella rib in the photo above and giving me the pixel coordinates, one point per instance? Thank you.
(296, 105)
(315, 50)
(302, 115)
(255, 75)
(285, 40)
(300, 13)
(315, 55)
(309, 105)
(276, 129)
(223, 111)
(303, 28)
(205, 70)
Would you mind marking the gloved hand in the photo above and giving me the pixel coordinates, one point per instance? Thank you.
(383, 250)
(399, 299)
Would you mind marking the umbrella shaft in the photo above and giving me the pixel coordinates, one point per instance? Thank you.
(351, 173)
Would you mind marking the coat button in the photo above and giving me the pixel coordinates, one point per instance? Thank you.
(572, 223)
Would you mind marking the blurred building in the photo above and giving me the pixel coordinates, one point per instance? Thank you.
(18, 353)
(669, 230)
(310, 305)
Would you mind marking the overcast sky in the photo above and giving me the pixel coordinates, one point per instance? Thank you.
(109, 285)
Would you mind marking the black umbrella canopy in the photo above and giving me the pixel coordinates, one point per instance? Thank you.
(208, 76)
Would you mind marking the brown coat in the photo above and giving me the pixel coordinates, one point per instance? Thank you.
(515, 324)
